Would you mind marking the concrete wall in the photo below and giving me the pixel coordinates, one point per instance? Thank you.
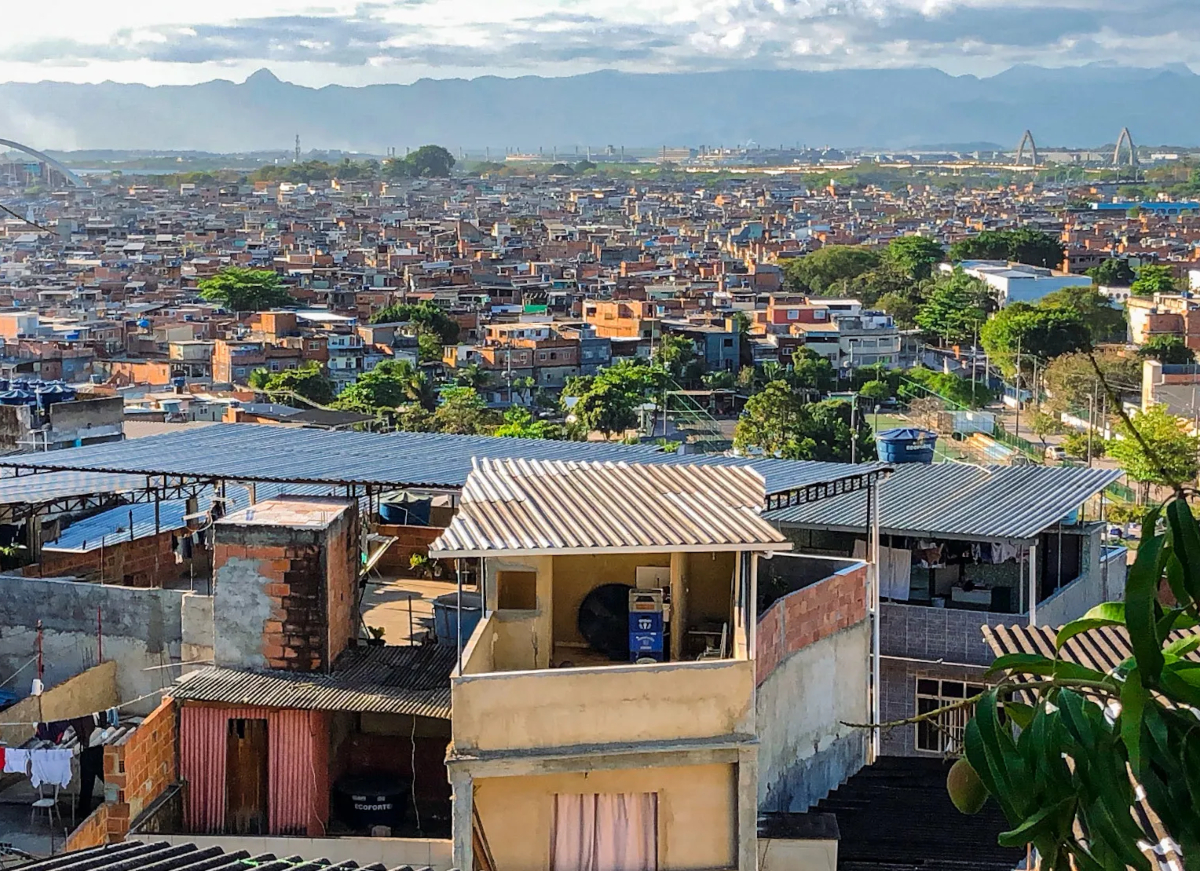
(697, 813)
(785, 854)
(576, 576)
(390, 852)
(618, 704)
(921, 632)
(141, 630)
(84, 420)
(93, 690)
(196, 625)
(813, 656)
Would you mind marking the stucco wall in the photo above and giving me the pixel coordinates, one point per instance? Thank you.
(93, 690)
(804, 749)
(576, 576)
(619, 704)
(785, 854)
(141, 630)
(697, 813)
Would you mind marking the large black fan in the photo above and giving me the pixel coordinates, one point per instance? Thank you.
(604, 620)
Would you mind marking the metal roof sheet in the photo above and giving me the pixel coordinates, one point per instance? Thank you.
(955, 499)
(251, 452)
(522, 506)
(381, 680)
(1102, 649)
(48, 486)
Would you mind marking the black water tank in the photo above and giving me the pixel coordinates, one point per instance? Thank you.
(363, 801)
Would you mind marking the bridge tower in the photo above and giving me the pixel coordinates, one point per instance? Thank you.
(1027, 139)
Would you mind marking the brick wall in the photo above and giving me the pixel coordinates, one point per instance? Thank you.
(136, 772)
(808, 615)
(92, 832)
(144, 562)
(409, 540)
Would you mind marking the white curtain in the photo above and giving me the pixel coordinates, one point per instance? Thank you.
(605, 832)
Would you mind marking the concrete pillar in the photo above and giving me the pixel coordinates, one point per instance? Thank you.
(679, 581)
(462, 820)
(747, 808)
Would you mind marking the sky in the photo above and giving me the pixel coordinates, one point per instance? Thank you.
(359, 43)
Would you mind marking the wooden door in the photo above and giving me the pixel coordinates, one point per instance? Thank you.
(246, 778)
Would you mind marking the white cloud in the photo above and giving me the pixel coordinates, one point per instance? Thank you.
(336, 41)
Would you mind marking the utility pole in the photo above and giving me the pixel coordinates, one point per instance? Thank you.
(1019, 386)
(974, 356)
(1091, 424)
(854, 428)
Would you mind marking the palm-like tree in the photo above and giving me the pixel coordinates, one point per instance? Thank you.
(473, 375)
(258, 379)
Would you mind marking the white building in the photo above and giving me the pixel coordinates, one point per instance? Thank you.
(1017, 282)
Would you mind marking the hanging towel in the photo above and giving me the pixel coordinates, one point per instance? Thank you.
(16, 761)
(114, 717)
(83, 727)
(50, 766)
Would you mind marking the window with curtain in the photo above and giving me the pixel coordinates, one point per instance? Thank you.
(605, 832)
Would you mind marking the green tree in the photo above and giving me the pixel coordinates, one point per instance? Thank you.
(473, 375)
(1114, 272)
(1072, 383)
(584, 166)
(677, 355)
(424, 315)
(959, 391)
(1167, 349)
(828, 270)
(1037, 331)
(903, 308)
(1104, 323)
(390, 384)
(461, 411)
(1172, 456)
(245, 290)
(429, 346)
(1153, 279)
(914, 256)
(519, 423)
(955, 308)
(1022, 245)
(258, 379)
(428, 161)
(776, 422)
(608, 401)
(308, 381)
(875, 391)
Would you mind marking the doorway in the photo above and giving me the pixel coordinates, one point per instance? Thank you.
(246, 777)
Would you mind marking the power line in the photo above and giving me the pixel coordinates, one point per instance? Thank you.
(4, 208)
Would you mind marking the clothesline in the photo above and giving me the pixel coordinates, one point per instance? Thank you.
(18, 671)
(118, 707)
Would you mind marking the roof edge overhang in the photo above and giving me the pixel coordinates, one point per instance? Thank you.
(756, 547)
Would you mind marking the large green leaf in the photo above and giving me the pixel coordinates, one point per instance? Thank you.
(1141, 594)
(1133, 703)
(1104, 614)
(1185, 542)
(1045, 821)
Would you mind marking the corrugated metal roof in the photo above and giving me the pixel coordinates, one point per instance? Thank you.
(510, 506)
(955, 499)
(47, 486)
(382, 680)
(1102, 649)
(113, 526)
(249, 452)
(163, 856)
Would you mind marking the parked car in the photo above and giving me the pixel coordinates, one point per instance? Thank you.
(1055, 454)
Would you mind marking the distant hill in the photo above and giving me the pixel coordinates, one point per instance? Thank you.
(895, 109)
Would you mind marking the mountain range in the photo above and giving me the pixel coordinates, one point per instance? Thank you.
(886, 108)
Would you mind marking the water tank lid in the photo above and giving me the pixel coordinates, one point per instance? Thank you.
(905, 433)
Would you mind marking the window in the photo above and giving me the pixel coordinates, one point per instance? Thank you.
(605, 832)
(793, 314)
(240, 370)
(819, 314)
(727, 343)
(944, 734)
(314, 346)
(516, 591)
(274, 366)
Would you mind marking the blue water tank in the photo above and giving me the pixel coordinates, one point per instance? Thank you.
(445, 617)
(906, 445)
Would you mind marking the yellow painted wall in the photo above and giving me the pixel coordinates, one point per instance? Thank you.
(89, 691)
(576, 576)
(710, 587)
(778, 854)
(619, 704)
(697, 813)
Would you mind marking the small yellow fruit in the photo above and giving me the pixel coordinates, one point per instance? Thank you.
(966, 789)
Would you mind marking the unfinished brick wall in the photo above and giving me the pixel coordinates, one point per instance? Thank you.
(144, 562)
(300, 576)
(136, 772)
(92, 832)
(409, 540)
(808, 615)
